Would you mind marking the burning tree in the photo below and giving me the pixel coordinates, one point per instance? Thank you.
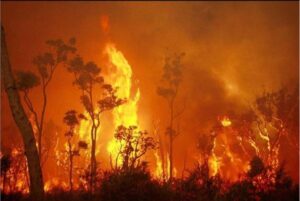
(46, 64)
(87, 78)
(171, 79)
(276, 117)
(71, 119)
(133, 146)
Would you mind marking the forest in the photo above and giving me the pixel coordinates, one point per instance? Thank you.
(102, 144)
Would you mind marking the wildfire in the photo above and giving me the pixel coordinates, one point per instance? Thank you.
(55, 183)
(121, 78)
(159, 172)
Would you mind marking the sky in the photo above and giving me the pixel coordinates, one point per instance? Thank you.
(233, 51)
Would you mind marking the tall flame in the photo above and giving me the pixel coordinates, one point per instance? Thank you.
(213, 161)
(121, 78)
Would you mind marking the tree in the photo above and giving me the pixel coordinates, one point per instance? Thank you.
(22, 121)
(71, 120)
(87, 78)
(46, 64)
(171, 79)
(276, 116)
(133, 145)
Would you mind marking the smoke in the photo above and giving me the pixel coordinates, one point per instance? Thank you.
(234, 50)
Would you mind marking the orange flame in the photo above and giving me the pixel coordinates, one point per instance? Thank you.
(121, 78)
(225, 121)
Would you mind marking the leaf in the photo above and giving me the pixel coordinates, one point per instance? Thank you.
(76, 65)
(92, 68)
(26, 80)
(86, 103)
(70, 118)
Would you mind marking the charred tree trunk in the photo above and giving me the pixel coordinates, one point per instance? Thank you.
(19, 115)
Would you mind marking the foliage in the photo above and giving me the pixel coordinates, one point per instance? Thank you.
(71, 119)
(170, 82)
(133, 184)
(26, 80)
(87, 78)
(171, 78)
(45, 64)
(137, 184)
(110, 100)
(133, 145)
(256, 167)
(198, 185)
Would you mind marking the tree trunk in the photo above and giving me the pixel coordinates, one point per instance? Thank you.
(171, 142)
(19, 115)
(70, 165)
(40, 133)
(93, 159)
(71, 173)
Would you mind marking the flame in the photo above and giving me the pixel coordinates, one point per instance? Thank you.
(121, 78)
(213, 161)
(84, 132)
(255, 147)
(159, 173)
(55, 183)
(225, 121)
(162, 167)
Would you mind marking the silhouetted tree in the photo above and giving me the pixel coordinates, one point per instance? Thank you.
(171, 79)
(133, 145)
(87, 79)
(46, 64)
(71, 119)
(23, 123)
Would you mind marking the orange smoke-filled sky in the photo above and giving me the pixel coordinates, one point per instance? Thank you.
(234, 50)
